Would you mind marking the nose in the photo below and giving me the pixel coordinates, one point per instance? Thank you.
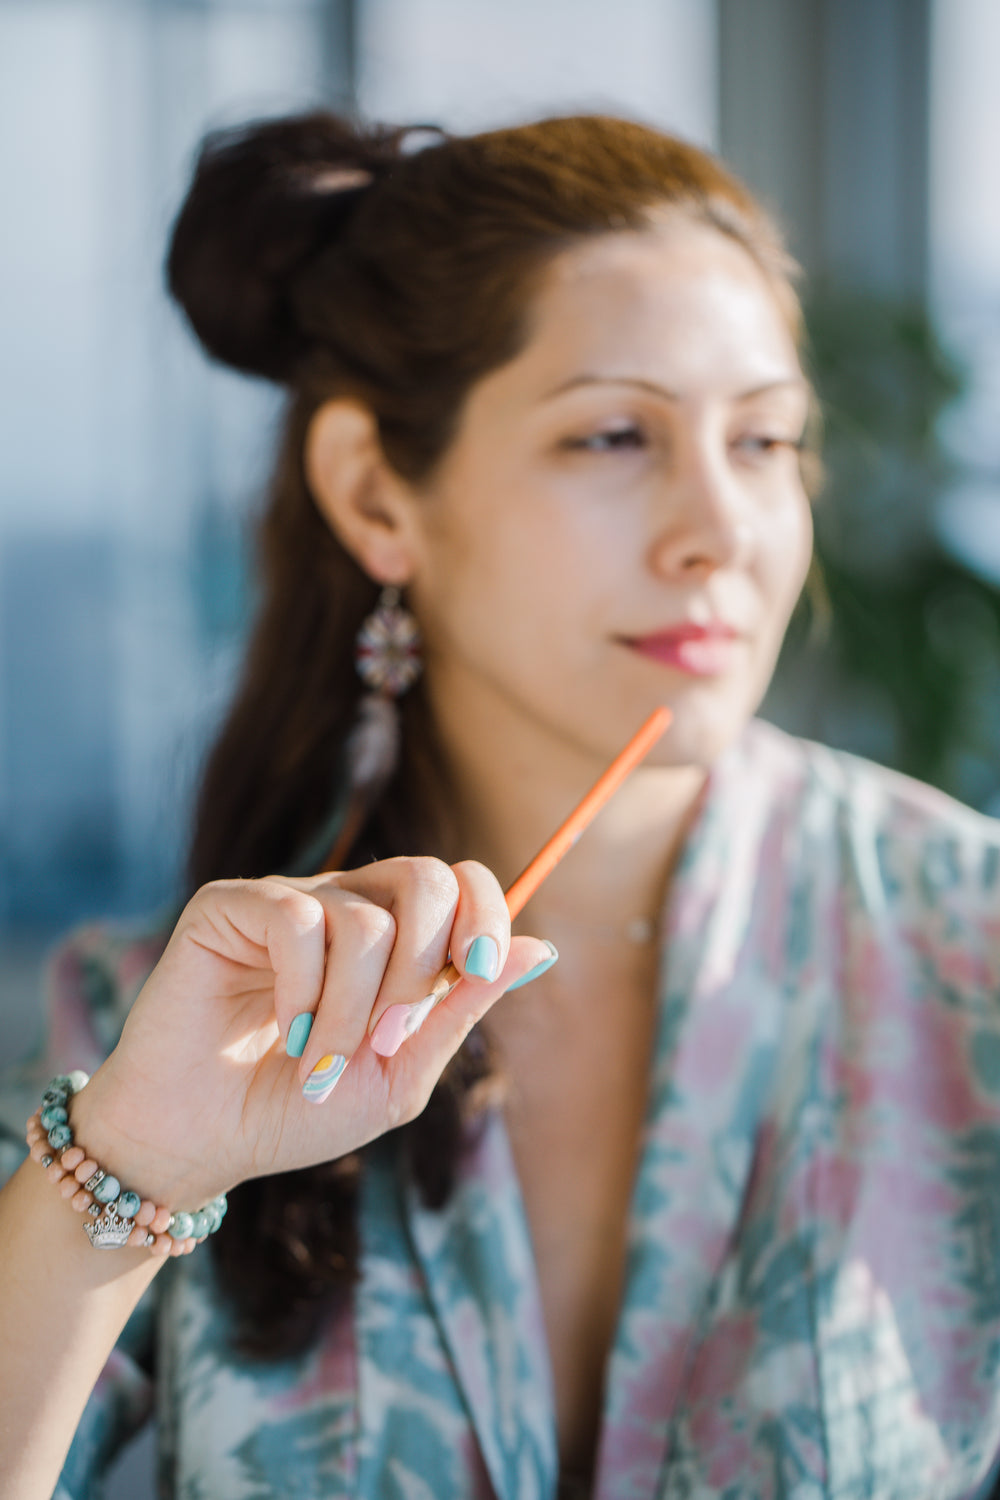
(703, 520)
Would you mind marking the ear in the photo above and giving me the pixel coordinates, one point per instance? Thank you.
(365, 504)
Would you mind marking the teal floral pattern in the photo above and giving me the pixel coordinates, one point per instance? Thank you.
(812, 1300)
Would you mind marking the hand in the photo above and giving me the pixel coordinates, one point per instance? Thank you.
(200, 1093)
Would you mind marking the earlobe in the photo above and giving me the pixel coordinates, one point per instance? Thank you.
(355, 491)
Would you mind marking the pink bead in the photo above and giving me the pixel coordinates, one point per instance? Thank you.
(138, 1236)
(146, 1214)
(54, 1172)
(85, 1170)
(72, 1157)
(161, 1245)
(69, 1187)
(177, 1247)
(81, 1199)
(37, 1151)
(160, 1221)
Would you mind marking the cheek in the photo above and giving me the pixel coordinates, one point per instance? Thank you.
(487, 592)
(786, 552)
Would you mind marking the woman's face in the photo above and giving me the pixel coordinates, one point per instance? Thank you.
(620, 521)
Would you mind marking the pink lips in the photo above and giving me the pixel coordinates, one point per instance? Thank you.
(699, 650)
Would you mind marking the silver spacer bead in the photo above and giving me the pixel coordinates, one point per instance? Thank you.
(47, 1160)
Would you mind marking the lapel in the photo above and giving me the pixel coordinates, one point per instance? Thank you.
(480, 1273)
(720, 1021)
(474, 1389)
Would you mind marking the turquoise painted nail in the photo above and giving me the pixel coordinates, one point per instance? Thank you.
(298, 1034)
(483, 958)
(540, 968)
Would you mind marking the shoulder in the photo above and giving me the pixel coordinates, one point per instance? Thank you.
(93, 977)
(891, 901)
(90, 982)
(884, 826)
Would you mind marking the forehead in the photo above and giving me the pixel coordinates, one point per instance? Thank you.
(679, 303)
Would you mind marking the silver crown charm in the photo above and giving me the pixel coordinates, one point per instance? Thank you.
(110, 1231)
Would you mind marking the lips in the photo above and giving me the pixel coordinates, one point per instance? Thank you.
(698, 650)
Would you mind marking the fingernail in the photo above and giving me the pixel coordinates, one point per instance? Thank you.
(398, 1023)
(324, 1077)
(298, 1034)
(540, 968)
(483, 958)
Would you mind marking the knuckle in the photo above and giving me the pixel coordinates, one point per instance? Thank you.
(424, 873)
(469, 1023)
(414, 1102)
(288, 905)
(403, 1106)
(475, 870)
(209, 894)
(409, 1097)
(375, 926)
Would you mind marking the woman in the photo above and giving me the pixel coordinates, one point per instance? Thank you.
(709, 1206)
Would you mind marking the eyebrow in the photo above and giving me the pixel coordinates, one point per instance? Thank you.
(790, 382)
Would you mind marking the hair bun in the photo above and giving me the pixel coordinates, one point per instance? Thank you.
(263, 200)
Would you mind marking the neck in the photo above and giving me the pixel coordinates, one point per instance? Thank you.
(511, 782)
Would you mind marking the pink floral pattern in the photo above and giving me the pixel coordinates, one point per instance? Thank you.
(812, 1304)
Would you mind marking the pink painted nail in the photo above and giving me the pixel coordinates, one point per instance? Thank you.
(398, 1023)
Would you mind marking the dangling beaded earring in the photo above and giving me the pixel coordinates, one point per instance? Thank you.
(387, 649)
(388, 660)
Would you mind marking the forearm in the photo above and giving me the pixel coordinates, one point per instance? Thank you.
(63, 1305)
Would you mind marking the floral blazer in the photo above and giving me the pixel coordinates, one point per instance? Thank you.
(812, 1300)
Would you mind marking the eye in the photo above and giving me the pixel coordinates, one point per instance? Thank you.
(762, 445)
(624, 436)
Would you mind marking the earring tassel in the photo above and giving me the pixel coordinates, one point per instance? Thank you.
(371, 753)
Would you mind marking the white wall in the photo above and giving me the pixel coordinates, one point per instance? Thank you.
(474, 64)
(965, 259)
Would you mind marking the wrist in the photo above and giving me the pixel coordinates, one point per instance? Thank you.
(127, 1143)
(116, 1214)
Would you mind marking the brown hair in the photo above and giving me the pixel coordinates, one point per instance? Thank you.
(336, 260)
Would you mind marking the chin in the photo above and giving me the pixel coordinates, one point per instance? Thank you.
(702, 731)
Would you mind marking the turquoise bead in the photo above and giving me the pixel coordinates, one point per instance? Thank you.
(180, 1226)
(128, 1204)
(55, 1096)
(60, 1136)
(107, 1189)
(62, 1081)
(221, 1203)
(53, 1114)
(201, 1224)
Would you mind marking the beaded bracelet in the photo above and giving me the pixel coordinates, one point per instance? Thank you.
(116, 1216)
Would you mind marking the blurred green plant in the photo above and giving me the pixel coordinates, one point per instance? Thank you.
(907, 667)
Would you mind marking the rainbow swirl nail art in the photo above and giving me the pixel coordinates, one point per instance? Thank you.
(324, 1078)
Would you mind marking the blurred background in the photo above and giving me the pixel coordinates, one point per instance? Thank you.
(130, 469)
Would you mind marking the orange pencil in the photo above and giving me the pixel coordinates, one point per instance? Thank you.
(524, 887)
